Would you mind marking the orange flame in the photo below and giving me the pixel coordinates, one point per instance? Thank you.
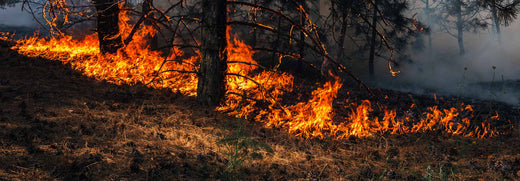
(5, 36)
(248, 88)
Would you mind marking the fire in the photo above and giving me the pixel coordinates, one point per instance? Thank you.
(252, 93)
(266, 85)
(132, 65)
(5, 36)
(314, 117)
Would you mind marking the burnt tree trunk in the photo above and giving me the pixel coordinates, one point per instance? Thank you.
(211, 86)
(275, 60)
(428, 14)
(342, 33)
(460, 26)
(147, 10)
(496, 23)
(108, 26)
(373, 41)
(301, 43)
(254, 31)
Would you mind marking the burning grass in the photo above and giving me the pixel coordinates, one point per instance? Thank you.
(59, 124)
(252, 92)
(127, 116)
(249, 89)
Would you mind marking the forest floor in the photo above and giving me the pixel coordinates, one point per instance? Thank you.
(56, 124)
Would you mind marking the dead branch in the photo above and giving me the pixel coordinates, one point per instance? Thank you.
(180, 71)
(244, 96)
(317, 42)
(265, 91)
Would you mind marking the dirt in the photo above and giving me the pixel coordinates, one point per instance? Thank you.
(56, 124)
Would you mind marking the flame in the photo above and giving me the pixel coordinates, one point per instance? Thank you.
(4, 36)
(252, 93)
(416, 26)
(392, 72)
(132, 65)
(266, 85)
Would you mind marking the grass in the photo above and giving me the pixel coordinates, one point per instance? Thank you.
(59, 125)
(240, 148)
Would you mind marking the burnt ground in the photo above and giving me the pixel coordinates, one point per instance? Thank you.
(56, 124)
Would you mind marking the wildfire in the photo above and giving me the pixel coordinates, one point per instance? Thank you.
(252, 94)
(4, 36)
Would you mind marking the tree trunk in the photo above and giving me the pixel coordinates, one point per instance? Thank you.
(301, 43)
(211, 84)
(147, 8)
(274, 58)
(108, 26)
(341, 39)
(428, 13)
(373, 41)
(460, 26)
(494, 13)
(254, 31)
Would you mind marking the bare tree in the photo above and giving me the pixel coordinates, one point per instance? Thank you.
(373, 39)
(461, 15)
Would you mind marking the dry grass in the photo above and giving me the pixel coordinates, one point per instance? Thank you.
(59, 125)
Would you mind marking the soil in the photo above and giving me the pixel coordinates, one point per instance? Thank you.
(56, 124)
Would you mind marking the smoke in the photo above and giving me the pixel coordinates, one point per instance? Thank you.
(18, 22)
(13, 16)
(488, 70)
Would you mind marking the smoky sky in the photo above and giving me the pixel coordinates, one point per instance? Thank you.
(488, 70)
(13, 16)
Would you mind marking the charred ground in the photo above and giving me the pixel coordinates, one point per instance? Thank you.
(57, 124)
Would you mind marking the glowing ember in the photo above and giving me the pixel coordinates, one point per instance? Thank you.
(136, 64)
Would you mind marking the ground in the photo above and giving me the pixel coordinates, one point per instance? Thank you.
(56, 124)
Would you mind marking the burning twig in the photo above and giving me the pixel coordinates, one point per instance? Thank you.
(26, 2)
(265, 91)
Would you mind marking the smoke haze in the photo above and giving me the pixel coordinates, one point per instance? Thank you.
(487, 70)
(13, 16)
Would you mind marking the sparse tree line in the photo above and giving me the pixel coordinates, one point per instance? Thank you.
(455, 17)
(290, 35)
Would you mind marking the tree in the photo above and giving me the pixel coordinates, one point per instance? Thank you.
(457, 11)
(58, 13)
(460, 15)
(342, 13)
(147, 10)
(373, 39)
(501, 12)
(428, 13)
(378, 26)
(211, 85)
(108, 25)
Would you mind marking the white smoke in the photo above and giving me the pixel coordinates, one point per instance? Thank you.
(487, 71)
